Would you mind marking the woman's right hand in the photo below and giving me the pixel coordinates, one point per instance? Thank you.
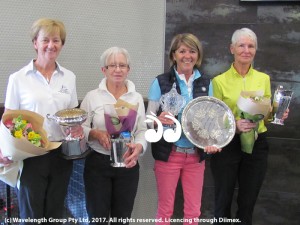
(164, 120)
(212, 149)
(243, 125)
(102, 136)
(4, 160)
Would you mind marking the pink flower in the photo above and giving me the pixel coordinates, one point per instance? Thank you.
(28, 125)
(9, 124)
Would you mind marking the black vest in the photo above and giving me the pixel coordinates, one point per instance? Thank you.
(162, 149)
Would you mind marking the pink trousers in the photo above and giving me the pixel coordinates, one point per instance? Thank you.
(191, 172)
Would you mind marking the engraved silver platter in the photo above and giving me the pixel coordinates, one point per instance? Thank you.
(208, 121)
(69, 117)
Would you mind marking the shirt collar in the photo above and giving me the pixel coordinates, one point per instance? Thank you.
(250, 71)
(196, 74)
(31, 67)
(130, 85)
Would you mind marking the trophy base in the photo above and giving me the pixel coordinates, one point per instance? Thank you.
(278, 121)
(75, 149)
(118, 164)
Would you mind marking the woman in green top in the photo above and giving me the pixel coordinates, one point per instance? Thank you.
(232, 164)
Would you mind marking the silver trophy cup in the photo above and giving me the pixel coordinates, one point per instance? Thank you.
(281, 102)
(72, 148)
(118, 149)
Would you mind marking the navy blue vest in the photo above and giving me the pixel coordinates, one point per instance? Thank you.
(162, 149)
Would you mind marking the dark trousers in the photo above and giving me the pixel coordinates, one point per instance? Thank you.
(43, 186)
(233, 166)
(110, 191)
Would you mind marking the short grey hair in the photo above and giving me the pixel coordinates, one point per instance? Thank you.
(113, 51)
(242, 33)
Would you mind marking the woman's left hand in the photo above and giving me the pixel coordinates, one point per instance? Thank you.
(76, 131)
(132, 154)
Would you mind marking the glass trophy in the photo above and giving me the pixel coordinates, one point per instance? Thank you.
(119, 148)
(281, 102)
(172, 102)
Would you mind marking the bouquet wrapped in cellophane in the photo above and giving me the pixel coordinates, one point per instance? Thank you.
(253, 106)
(120, 117)
(21, 136)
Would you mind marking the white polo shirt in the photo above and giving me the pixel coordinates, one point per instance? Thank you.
(29, 90)
(95, 100)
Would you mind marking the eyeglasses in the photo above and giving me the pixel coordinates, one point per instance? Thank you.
(115, 66)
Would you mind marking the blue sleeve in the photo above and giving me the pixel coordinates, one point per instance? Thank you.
(210, 89)
(154, 92)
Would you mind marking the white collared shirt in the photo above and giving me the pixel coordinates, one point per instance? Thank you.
(28, 89)
(95, 100)
(188, 83)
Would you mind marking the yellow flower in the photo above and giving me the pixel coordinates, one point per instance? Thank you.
(21, 128)
(31, 135)
(18, 133)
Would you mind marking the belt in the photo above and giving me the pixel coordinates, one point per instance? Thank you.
(185, 150)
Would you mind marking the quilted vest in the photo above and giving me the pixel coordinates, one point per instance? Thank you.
(162, 149)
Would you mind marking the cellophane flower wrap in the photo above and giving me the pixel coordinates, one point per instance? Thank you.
(120, 117)
(253, 106)
(21, 136)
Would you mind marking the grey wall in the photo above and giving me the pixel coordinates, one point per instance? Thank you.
(92, 26)
(277, 25)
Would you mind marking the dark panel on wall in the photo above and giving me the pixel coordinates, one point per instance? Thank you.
(277, 25)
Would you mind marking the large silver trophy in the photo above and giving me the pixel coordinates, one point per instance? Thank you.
(172, 102)
(72, 148)
(281, 102)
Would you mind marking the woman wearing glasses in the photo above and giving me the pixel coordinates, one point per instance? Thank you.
(110, 191)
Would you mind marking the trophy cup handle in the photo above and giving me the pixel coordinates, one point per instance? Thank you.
(49, 117)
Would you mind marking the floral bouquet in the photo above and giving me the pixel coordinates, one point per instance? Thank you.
(120, 117)
(20, 128)
(253, 106)
(119, 121)
(21, 136)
